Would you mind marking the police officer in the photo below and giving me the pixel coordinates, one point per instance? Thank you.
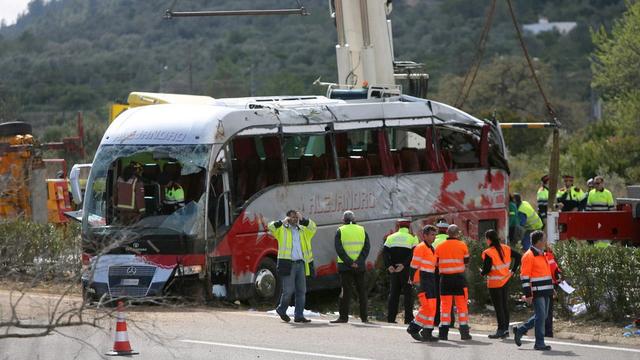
(452, 256)
(295, 260)
(397, 253)
(426, 278)
(352, 246)
(442, 226)
(542, 197)
(569, 197)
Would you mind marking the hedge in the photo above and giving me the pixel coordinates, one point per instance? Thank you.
(44, 251)
(607, 279)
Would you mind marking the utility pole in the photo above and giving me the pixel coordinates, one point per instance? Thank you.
(554, 167)
(190, 70)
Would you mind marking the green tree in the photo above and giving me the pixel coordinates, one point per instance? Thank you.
(613, 145)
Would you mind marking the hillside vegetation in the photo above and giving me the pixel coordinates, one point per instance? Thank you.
(68, 55)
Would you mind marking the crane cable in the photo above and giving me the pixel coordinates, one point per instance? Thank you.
(469, 79)
(550, 109)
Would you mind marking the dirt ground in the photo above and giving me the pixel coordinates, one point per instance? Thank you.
(575, 328)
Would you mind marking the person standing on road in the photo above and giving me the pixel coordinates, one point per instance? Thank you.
(397, 253)
(352, 246)
(537, 285)
(495, 266)
(426, 278)
(442, 226)
(452, 256)
(295, 261)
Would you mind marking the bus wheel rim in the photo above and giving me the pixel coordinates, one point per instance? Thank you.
(265, 283)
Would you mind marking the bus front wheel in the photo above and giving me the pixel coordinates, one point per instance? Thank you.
(267, 284)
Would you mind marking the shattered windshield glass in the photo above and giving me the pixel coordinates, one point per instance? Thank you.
(158, 188)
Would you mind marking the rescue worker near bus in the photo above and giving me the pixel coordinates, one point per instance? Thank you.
(537, 285)
(425, 277)
(130, 193)
(442, 226)
(569, 197)
(295, 261)
(452, 256)
(496, 266)
(515, 230)
(397, 253)
(352, 246)
(556, 273)
(528, 218)
(542, 197)
(442, 236)
(600, 199)
(173, 198)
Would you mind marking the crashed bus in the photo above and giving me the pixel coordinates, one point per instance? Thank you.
(244, 162)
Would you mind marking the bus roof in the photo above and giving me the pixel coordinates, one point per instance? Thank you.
(182, 123)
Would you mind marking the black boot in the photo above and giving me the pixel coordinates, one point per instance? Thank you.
(464, 332)
(414, 331)
(427, 335)
(443, 333)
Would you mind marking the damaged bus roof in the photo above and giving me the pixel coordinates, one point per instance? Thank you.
(180, 123)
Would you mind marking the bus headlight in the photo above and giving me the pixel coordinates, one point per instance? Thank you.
(189, 270)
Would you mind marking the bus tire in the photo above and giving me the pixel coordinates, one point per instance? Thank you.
(267, 285)
(15, 128)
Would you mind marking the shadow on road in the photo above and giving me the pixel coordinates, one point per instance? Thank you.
(470, 342)
(559, 353)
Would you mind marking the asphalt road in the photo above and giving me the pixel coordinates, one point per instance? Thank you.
(204, 333)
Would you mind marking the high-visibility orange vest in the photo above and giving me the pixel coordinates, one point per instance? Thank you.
(451, 255)
(535, 274)
(553, 265)
(423, 260)
(500, 273)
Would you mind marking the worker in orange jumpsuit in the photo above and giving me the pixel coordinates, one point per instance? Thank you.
(452, 256)
(425, 276)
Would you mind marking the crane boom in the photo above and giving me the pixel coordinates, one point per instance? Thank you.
(365, 46)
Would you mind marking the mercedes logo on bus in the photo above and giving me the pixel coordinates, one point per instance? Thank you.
(131, 270)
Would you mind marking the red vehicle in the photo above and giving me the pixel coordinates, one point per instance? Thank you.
(621, 225)
(241, 166)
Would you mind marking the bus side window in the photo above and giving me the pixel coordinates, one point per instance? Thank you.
(309, 157)
(460, 149)
(408, 149)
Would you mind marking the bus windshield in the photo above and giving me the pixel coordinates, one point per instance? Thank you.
(158, 188)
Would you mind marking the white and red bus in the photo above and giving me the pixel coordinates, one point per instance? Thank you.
(244, 162)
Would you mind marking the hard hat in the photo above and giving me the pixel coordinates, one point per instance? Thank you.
(590, 182)
(403, 222)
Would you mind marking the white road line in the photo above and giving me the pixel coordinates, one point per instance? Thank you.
(553, 342)
(237, 346)
(453, 332)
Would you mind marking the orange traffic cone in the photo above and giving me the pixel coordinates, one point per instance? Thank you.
(121, 346)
